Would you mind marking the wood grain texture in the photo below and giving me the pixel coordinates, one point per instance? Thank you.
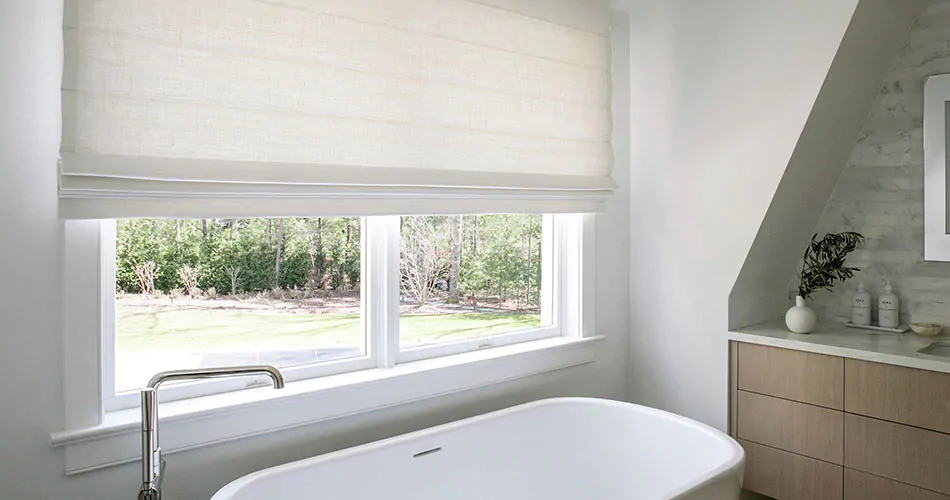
(808, 430)
(861, 486)
(800, 376)
(787, 476)
(733, 387)
(907, 454)
(899, 394)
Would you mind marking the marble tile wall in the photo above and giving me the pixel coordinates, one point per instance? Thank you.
(881, 190)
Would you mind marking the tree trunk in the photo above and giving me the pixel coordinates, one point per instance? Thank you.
(280, 249)
(475, 236)
(178, 252)
(422, 272)
(317, 259)
(527, 295)
(456, 263)
(320, 234)
(204, 228)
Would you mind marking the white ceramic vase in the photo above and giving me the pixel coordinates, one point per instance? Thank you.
(801, 319)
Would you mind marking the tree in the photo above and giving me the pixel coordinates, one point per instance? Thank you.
(234, 274)
(146, 275)
(280, 249)
(484, 256)
(318, 257)
(456, 262)
(475, 235)
(423, 258)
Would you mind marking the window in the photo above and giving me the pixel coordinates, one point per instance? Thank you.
(318, 296)
(473, 281)
(203, 293)
(181, 117)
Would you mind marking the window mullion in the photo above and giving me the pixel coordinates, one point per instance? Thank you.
(382, 288)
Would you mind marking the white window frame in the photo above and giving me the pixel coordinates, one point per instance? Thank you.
(99, 425)
(553, 228)
(188, 390)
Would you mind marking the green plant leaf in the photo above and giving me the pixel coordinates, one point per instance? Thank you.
(824, 262)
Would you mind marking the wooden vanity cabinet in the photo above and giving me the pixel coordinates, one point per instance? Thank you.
(898, 394)
(825, 427)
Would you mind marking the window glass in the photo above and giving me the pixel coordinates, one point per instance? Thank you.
(216, 292)
(469, 277)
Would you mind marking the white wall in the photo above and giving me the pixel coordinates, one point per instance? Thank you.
(30, 356)
(721, 93)
(30, 330)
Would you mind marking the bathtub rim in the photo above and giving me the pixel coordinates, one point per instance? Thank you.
(735, 463)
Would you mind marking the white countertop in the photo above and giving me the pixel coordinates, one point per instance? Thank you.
(838, 340)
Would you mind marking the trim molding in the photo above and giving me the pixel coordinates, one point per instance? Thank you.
(199, 422)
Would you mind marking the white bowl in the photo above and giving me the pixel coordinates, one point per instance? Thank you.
(926, 329)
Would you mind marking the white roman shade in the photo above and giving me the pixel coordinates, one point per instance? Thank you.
(217, 108)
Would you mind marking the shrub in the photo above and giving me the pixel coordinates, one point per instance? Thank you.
(497, 255)
(145, 272)
(189, 278)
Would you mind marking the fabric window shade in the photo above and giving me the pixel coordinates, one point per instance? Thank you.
(179, 108)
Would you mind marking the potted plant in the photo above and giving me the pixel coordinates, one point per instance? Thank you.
(823, 265)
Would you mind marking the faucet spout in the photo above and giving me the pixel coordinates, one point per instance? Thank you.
(225, 372)
(153, 466)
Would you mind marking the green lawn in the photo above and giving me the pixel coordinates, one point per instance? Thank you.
(153, 330)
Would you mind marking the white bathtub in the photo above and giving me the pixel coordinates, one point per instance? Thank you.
(557, 449)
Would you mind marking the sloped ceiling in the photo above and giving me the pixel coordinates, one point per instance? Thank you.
(870, 44)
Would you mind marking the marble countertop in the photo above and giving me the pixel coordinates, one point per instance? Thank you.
(838, 340)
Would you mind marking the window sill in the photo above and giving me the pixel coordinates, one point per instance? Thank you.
(198, 422)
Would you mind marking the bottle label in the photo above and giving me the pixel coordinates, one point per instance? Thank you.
(861, 311)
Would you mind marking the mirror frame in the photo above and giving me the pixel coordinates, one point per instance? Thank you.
(936, 102)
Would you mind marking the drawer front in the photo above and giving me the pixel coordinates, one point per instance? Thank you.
(797, 427)
(800, 376)
(787, 476)
(905, 395)
(907, 454)
(861, 486)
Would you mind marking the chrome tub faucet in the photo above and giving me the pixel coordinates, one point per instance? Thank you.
(153, 466)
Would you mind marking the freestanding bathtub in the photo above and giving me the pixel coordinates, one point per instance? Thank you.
(557, 449)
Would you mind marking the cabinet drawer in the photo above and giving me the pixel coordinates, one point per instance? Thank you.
(906, 454)
(861, 486)
(800, 376)
(787, 476)
(797, 427)
(905, 395)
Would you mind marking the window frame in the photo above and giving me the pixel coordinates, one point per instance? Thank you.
(93, 438)
(556, 228)
(113, 401)
(90, 255)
